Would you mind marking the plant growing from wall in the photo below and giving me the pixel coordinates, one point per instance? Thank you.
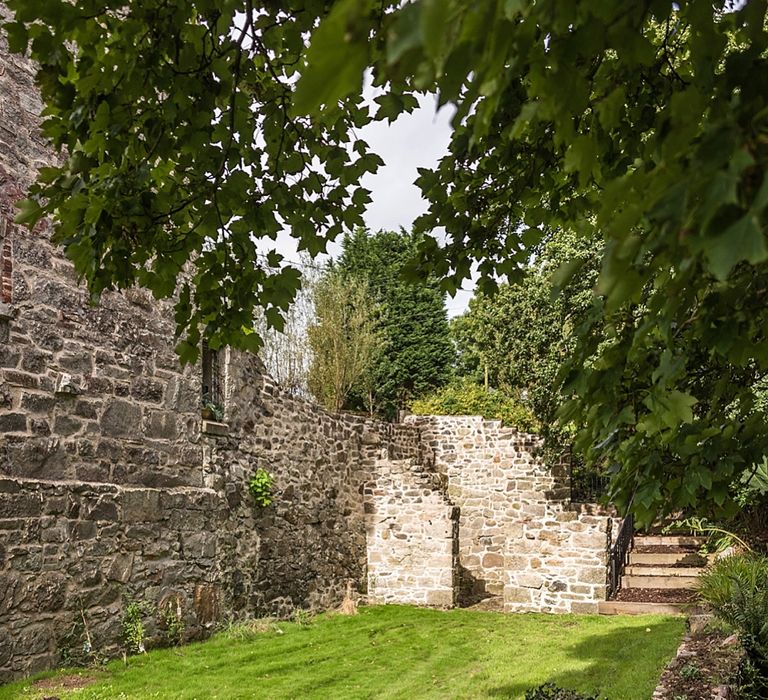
(76, 645)
(172, 620)
(261, 487)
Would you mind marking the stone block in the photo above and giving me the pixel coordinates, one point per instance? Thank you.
(146, 389)
(440, 598)
(514, 594)
(584, 608)
(121, 419)
(66, 425)
(121, 568)
(141, 505)
(37, 403)
(13, 423)
(493, 560)
(161, 425)
(529, 580)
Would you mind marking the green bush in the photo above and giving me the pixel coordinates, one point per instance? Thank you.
(549, 691)
(465, 398)
(736, 589)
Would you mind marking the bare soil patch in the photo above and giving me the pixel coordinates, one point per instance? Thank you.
(71, 682)
(657, 595)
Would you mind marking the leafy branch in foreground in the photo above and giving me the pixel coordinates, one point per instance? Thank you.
(645, 127)
(196, 128)
(184, 158)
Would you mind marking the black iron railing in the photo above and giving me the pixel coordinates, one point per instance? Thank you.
(619, 554)
(588, 485)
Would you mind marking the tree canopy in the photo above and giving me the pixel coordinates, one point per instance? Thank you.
(517, 339)
(344, 337)
(416, 354)
(194, 127)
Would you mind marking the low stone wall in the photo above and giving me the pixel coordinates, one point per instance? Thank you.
(412, 537)
(518, 535)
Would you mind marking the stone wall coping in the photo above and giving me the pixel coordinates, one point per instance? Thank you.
(211, 427)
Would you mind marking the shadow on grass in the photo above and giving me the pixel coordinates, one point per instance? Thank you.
(607, 654)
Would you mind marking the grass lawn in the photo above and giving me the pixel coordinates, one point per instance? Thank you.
(397, 652)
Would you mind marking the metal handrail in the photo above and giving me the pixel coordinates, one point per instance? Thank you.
(619, 554)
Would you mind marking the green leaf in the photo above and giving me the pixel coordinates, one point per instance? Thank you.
(30, 212)
(743, 240)
(18, 36)
(336, 58)
(390, 107)
(434, 21)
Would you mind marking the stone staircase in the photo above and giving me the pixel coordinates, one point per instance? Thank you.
(660, 576)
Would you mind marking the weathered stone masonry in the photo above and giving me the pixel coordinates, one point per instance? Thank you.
(112, 487)
(519, 536)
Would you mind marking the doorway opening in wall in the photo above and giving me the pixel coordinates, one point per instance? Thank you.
(212, 399)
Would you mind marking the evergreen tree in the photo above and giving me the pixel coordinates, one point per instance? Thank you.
(417, 353)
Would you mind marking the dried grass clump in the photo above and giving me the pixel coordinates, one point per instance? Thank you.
(348, 605)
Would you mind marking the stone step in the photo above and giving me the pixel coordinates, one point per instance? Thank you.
(671, 540)
(688, 582)
(667, 558)
(663, 570)
(626, 607)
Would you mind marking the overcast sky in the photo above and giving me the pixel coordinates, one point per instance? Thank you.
(413, 141)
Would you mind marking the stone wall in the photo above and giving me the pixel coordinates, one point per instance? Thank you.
(71, 554)
(519, 537)
(312, 540)
(412, 531)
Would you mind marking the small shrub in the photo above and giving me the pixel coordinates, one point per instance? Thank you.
(465, 398)
(172, 621)
(736, 589)
(550, 691)
(76, 647)
(134, 632)
(690, 671)
(261, 487)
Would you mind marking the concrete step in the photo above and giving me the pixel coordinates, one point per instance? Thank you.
(625, 607)
(671, 540)
(688, 582)
(663, 570)
(667, 558)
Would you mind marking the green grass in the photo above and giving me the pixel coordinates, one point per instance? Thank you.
(398, 652)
